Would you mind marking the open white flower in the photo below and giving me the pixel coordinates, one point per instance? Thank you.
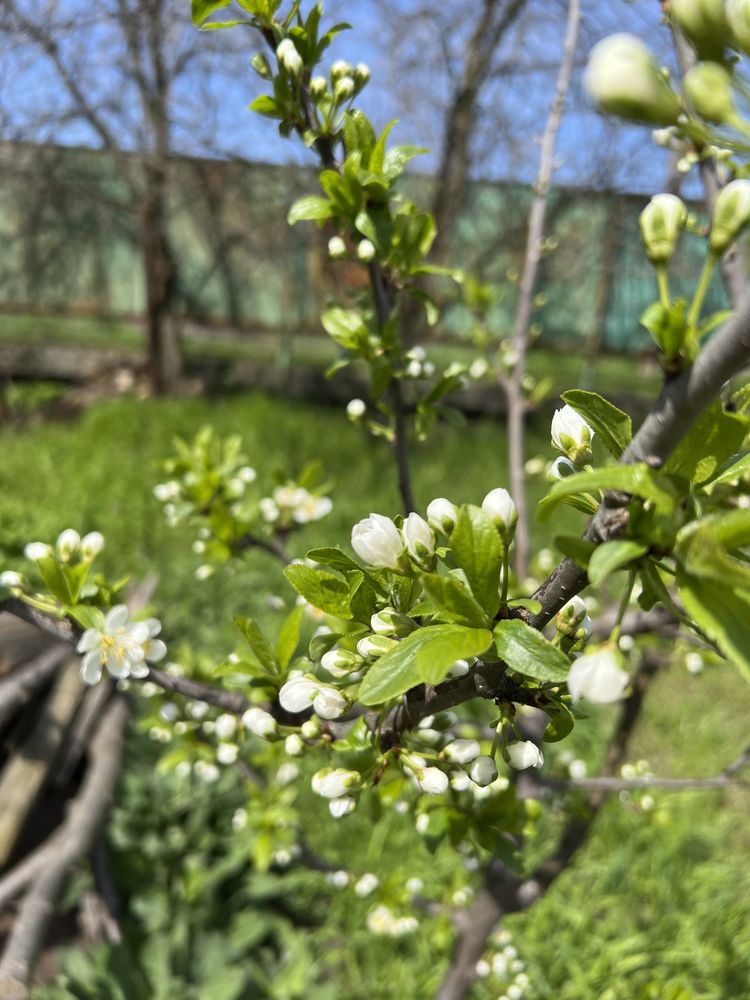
(597, 676)
(524, 754)
(572, 435)
(310, 508)
(153, 649)
(118, 646)
(378, 542)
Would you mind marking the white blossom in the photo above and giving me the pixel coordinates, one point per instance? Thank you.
(361, 73)
(269, 511)
(164, 492)
(459, 669)
(259, 722)
(561, 468)
(342, 807)
(433, 781)
(226, 753)
(367, 884)
(298, 694)
(418, 537)
(373, 646)
(442, 515)
(414, 885)
(499, 505)
(378, 542)
(289, 58)
(118, 646)
(356, 409)
(318, 87)
(336, 247)
(341, 68)
(462, 751)
(460, 781)
(524, 754)
(597, 676)
(35, 551)
(68, 543)
(572, 435)
(91, 545)
(311, 508)
(730, 216)
(330, 703)
(483, 771)
(344, 88)
(623, 79)
(333, 783)
(293, 745)
(365, 250)
(340, 662)
(694, 663)
(577, 769)
(11, 579)
(247, 474)
(225, 726)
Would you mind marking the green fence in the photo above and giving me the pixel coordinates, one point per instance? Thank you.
(69, 244)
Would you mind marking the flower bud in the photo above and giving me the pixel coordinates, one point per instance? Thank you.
(623, 79)
(342, 807)
(297, 694)
(597, 676)
(483, 771)
(731, 215)
(344, 89)
(459, 669)
(361, 74)
(260, 65)
(390, 622)
(419, 538)
(35, 551)
(68, 543)
(708, 87)
(462, 751)
(661, 221)
(293, 745)
(356, 409)
(523, 755)
(569, 617)
(584, 630)
(289, 58)
(442, 515)
(378, 542)
(433, 781)
(373, 646)
(738, 16)
(332, 784)
(340, 662)
(10, 579)
(341, 68)
(561, 468)
(498, 504)
(336, 247)
(91, 545)
(330, 703)
(704, 23)
(259, 722)
(225, 727)
(318, 87)
(366, 251)
(572, 435)
(310, 729)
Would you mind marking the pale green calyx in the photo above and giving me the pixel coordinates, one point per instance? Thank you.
(738, 16)
(661, 222)
(708, 88)
(731, 215)
(623, 79)
(704, 22)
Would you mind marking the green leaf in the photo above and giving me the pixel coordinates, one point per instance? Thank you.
(425, 656)
(478, 549)
(454, 600)
(288, 637)
(377, 157)
(257, 643)
(733, 469)
(722, 613)
(575, 548)
(265, 105)
(346, 327)
(63, 582)
(86, 616)
(639, 480)
(611, 556)
(714, 437)
(703, 548)
(668, 326)
(201, 9)
(323, 590)
(561, 722)
(312, 206)
(614, 426)
(359, 134)
(529, 653)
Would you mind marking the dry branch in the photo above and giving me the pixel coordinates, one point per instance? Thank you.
(18, 688)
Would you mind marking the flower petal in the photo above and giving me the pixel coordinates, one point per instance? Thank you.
(91, 667)
(116, 618)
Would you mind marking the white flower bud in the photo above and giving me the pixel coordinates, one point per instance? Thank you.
(297, 694)
(259, 722)
(336, 247)
(414, 369)
(523, 755)
(561, 468)
(597, 676)
(623, 79)
(442, 515)
(341, 807)
(361, 74)
(378, 542)
(459, 669)
(310, 729)
(293, 745)
(708, 87)
(731, 215)
(366, 251)
(462, 751)
(35, 551)
(318, 87)
(483, 771)
(289, 58)
(390, 622)
(569, 617)
(344, 88)
(373, 646)
(332, 784)
(341, 68)
(585, 629)
(356, 409)
(68, 543)
(225, 727)
(227, 753)
(738, 15)
(479, 368)
(704, 23)
(661, 221)
(498, 505)
(572, 435)
(330, 703)
(419, 538)
(10, 579)
(91, 545)
(340, 662)
(433, 781)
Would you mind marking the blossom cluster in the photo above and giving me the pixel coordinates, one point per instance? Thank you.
(124, 648)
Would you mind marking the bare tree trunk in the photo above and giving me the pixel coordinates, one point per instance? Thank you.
(514, 387)
(164, 360)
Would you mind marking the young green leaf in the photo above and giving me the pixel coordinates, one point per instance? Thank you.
(639, 480)
(323, 590)
(288, 638)
(611, 556)
(258, 643)
(613, 425)
(454, 600)
(478, 549)
(527, 651)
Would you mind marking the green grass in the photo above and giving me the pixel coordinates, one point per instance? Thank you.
(656, 907)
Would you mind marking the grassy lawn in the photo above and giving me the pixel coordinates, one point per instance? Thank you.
(657, 907)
